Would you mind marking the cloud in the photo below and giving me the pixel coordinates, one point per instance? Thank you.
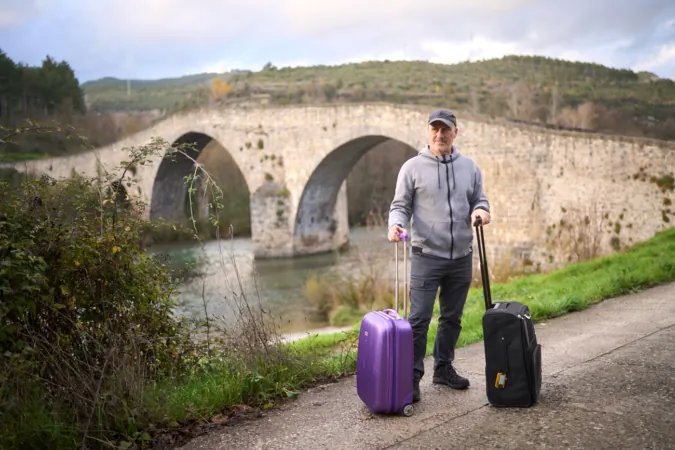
(156, 38)
(616, 33)
(665, 56)
(172, 21)
(447, 52)
(222, 66)
(16, 12)
(312, 18)
(540, 23)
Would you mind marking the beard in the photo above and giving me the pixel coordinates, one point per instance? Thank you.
(444, 147)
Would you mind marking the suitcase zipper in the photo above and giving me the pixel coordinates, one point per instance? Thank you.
(527, 333)
(528, 368)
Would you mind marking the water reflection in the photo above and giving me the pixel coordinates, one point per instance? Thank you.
(276, 284)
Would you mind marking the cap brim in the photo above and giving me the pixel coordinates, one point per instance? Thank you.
(445, 121)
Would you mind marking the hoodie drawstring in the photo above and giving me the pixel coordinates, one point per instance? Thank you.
(428, 154)
(447, 180)
(438, 172)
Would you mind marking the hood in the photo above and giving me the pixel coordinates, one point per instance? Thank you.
(445, 159)
(426, 152)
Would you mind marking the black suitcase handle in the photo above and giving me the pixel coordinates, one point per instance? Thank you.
(480, 237)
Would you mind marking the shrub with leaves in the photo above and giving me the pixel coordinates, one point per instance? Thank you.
(92, 353)
(86, 315)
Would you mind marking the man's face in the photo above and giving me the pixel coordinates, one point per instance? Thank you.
(441, 137)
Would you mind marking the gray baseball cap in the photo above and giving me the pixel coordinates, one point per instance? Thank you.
(445, 116)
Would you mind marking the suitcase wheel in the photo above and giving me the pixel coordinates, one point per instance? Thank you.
(408, 410)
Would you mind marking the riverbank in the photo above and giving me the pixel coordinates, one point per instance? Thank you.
(278, 285)
(309, 334)
(302, 294)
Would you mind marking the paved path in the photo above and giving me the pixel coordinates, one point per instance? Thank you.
(609, 382)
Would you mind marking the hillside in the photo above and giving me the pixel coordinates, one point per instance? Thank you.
(112, 94)
(531, 89)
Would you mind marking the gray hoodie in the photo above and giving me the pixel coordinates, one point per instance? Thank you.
(437, 194)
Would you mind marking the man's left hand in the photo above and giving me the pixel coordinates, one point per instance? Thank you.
(484, 216)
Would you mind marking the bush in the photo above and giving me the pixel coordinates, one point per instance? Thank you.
(91, 352)
(85, 314)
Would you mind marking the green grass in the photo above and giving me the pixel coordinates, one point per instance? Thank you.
(224, 383)
(11, 157)
(573, 288)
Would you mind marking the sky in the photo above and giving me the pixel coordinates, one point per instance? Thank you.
(150, 39)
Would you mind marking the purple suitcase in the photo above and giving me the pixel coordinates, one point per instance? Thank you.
(384, 362)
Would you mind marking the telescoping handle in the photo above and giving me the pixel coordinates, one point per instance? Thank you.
(404, 238)
(485, 277)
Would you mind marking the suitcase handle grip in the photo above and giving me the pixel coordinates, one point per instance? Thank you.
(392, 313)
(404, 238)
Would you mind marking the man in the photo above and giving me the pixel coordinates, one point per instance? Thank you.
(440, 191)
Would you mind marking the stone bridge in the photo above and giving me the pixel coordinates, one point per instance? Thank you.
(295, 161)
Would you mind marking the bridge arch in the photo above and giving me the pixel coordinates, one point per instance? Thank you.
(321, 222)
(169, 199)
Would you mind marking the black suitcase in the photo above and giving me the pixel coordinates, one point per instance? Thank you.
(512, 353)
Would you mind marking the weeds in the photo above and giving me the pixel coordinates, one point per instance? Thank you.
(347, 292)
(578, 236)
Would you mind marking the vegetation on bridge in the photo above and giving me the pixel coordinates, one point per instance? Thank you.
(92, 354)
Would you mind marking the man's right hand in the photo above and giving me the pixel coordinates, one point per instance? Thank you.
(395, 232)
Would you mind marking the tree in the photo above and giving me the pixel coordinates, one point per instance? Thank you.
(50, 89)
(219, 89)
(521, 101)
(9, 84)
(555, 102)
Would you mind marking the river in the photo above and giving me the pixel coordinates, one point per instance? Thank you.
(280, 282)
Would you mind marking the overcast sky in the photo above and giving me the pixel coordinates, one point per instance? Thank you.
(166, 38)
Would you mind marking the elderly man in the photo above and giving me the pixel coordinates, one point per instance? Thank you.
(440, 192)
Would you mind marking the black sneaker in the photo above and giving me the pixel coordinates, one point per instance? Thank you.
(416, 391)
(448, 376)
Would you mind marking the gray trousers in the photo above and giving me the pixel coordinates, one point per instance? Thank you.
(427, 274)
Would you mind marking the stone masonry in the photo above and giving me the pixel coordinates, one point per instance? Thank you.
(295, 160)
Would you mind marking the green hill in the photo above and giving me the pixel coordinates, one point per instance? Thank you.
(114, 94)
(111, 82)
(524, 88)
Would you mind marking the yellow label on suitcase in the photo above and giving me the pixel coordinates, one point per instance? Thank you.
(500, 381)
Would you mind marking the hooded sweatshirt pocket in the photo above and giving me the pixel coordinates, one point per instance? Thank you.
(435, 236)
(422, 230)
